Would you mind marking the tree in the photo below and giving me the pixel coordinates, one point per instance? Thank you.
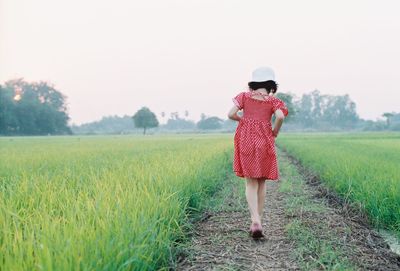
(388, 117)
(287, 98)
(107, 125)
(210, 123)
(341, 111)
(395, 122)
(305, 110)
(318, 104)
(179, 124)
(174, 115)
(8, 119)
(32, 109)
(229, 125)
(144, 118)
(327, 112)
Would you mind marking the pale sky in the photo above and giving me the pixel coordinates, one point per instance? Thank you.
(113, 57)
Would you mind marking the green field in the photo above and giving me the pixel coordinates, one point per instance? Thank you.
(102, 203)
(362, 167)
(123, 202)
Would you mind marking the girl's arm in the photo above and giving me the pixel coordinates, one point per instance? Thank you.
(233, 113)
(279, 117)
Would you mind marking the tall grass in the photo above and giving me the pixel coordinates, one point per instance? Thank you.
(102, 203)
(364, 168)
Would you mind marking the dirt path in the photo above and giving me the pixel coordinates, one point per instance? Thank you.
(306, 228)
(339, 223)
(221, 240)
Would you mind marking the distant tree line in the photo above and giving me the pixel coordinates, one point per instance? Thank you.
(311, 112)
(144, 120)
(321, 112)
(37, 108)
(32, 109)
(107, 125)
(392, 123)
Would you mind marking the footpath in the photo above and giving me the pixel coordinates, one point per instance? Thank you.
(306, 227)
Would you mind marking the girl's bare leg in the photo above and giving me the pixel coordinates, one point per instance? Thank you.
(261, 197)
(251, 196)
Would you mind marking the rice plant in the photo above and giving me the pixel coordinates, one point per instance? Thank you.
(102, 203)
(362, 167)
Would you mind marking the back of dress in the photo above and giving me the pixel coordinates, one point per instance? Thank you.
(255, 155)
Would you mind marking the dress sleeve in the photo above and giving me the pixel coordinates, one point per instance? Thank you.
(279, 104)
(238, 100)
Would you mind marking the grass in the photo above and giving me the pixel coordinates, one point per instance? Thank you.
(314, 252)
(361, 167)
(316, 246)
(103, 203)
(229, 198)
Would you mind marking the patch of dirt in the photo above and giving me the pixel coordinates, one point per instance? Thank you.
(222, 242)
(366, 248)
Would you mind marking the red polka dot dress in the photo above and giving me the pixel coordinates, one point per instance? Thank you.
(255, 155)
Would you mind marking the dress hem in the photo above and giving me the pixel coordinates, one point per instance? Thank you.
(263, 177)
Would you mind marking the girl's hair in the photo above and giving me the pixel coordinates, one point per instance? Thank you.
(268, 85)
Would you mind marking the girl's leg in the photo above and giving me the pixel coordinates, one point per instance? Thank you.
(261, 196)
(251, 196)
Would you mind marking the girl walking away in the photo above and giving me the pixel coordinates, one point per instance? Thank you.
(254, 141)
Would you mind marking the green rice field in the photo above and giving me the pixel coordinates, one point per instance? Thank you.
(102, 203)
(124, 202)
(362, 167)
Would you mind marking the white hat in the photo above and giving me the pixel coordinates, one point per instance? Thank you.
(262, 74)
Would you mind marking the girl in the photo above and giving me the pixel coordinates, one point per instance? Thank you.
(255, 155)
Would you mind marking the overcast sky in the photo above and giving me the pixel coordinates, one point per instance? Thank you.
(113, 57)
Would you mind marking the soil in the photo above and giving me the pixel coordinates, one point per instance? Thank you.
(221, 241)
